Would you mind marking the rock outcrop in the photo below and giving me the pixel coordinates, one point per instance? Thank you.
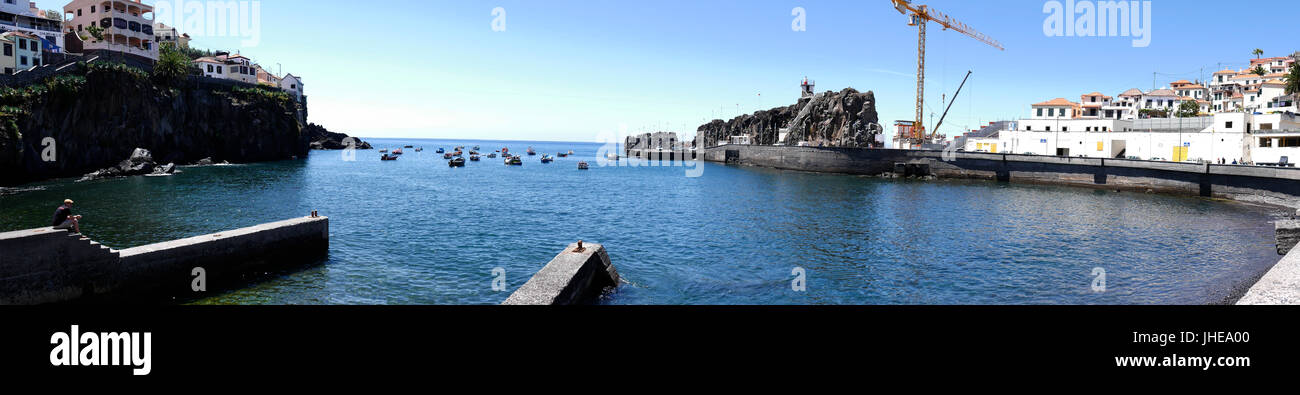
(140, 163)
(80, 122)
(323, 139)
(844, 118)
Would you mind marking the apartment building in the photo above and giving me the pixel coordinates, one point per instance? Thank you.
(127, 26)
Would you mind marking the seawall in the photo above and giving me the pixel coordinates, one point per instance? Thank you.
(577, 275)
(1279, 286)
(1272, 185)
(49, 266)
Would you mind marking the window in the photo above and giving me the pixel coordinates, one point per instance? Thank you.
(1040, 112)
(1049, 128)
(92, 9)
(1227, 125)
(9, 49)
(219, 70)
(1105, 128)
(1265, 142)
(78, 12)
(22, 44)
(1265, 126)
(1029, 128)
(22, 61)
(209, 68)
(1065, 128)
(1289, 142)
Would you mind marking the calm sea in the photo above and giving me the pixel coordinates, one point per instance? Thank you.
(414, 231)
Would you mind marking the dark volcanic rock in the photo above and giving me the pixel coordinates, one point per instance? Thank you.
(844, 118)
(323, 139)
(140, 163)
(101, 120)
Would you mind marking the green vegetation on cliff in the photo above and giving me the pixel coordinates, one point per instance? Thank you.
(99, 112)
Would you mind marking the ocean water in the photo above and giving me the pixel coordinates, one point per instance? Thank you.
(414, 231)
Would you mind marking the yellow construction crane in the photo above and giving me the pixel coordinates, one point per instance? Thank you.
(920, 16)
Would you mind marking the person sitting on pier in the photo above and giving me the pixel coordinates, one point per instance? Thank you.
(63, 218)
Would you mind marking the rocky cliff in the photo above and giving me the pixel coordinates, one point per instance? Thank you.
(323, 139)
(97, 116)
(844, 118)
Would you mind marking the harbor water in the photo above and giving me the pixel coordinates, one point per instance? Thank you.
(415, 231)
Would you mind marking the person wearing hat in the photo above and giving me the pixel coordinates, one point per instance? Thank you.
(63, 218)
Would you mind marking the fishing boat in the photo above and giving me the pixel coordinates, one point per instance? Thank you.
(611, 156)
(473, 158)
(440, 150)
(583, 165)
(388, 157)
(476, 148)
(457, 153)
(570, 152)
(383, 151)
(473, 152)
(492, 155)
(458, 162)
(531, 152)
(547, 159)
(397, 151)
(421, 149)
(408, 146)
(514, 161)
(446, 156)
(561, 154)
(505, 151)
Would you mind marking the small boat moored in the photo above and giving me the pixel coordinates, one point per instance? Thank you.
(387, 157)
(514, 161)
(458, 162)
(531, 152)
(547, 159)
(473, 158)
(440, 151)
(583, 165)
(447, 156)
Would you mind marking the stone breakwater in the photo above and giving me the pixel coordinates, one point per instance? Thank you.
(45, 265)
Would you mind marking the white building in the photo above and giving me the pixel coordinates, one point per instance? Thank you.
(1240, 137)
(168, 34)
(292, 84)
(1163, 100)
(127, 26)
(23, 16)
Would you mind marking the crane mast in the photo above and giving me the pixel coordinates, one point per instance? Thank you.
(920, 17)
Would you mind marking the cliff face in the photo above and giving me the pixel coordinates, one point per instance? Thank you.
(843, 118)
(99, 116)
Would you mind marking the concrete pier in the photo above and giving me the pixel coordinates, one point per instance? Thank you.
(48, 266)
(575, 276)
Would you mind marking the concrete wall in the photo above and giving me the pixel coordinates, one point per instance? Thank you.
(49, 266)
(572, 277)
(1248, 183)
(1280, 286)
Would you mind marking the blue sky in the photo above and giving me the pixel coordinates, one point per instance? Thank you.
(569, 70)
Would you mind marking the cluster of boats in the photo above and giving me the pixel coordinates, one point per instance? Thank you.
(456, 158)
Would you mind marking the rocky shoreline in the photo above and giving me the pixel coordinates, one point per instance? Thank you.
(323, 139)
